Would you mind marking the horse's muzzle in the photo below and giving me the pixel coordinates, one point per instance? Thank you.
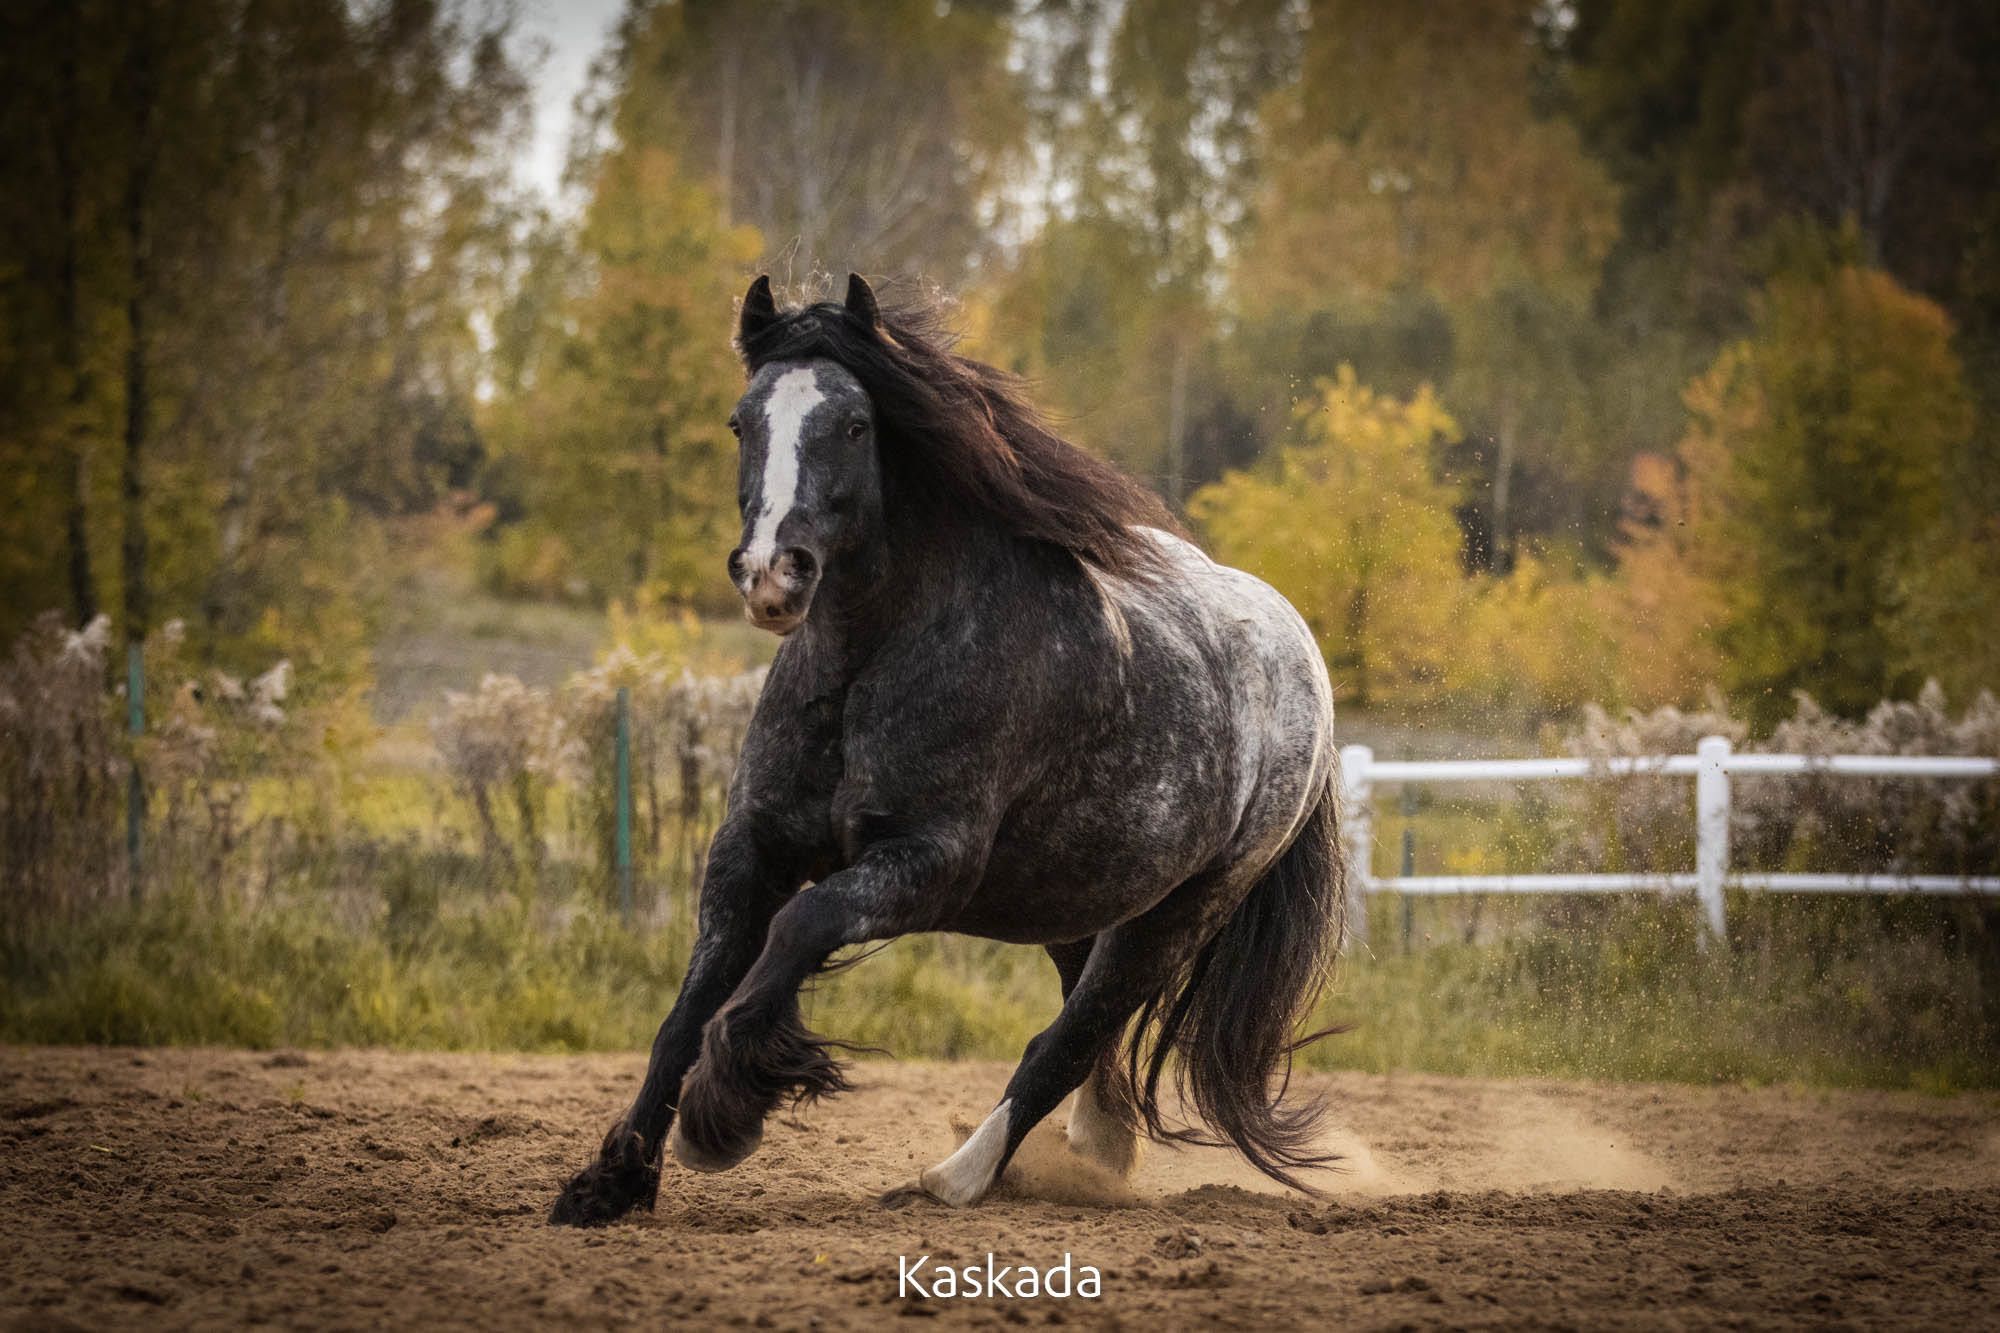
(776, 595)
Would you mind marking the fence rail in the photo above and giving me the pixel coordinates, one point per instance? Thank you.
(1711, 767)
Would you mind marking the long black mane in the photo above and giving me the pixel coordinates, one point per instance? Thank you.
(961, 435)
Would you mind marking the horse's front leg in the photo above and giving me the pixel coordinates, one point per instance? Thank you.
(741, 890)
(756, 1053)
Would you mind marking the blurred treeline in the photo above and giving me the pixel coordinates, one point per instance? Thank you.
(244, 244)
(1542, 352)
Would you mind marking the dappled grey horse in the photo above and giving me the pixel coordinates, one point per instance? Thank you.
(1011, 703)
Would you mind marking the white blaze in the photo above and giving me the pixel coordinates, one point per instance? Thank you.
(791, 400)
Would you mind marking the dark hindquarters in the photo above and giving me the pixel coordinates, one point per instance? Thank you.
(1231, 1014)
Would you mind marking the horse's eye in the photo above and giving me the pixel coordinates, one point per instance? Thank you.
(736, 428)
(856, 429)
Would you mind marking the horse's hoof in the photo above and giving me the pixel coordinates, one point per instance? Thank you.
(939, 1187)
(904, 1195)
(620, 1180)
(697, 1158)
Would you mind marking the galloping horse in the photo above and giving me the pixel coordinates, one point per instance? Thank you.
(1011, 703)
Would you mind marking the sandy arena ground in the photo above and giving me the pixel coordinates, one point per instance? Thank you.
(357, 1189)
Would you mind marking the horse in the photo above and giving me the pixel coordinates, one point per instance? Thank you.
(1011, 701)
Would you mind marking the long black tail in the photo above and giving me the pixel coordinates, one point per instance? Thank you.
(1231, 1017)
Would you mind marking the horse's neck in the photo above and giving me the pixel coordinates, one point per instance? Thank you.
(899, 586)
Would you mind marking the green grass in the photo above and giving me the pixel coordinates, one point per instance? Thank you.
(1849, 993)
(416, 948)
(438, 954)
(447, 633)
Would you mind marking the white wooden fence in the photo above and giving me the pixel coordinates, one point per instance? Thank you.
(1710, 766)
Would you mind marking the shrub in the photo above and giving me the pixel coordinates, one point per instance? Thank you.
(1816, 822)
(686, 733)
(507, 745)
(501, 742)
(212, 737)
(61, 770)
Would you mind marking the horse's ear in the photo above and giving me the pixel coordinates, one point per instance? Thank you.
(759, 310)
(861, 300)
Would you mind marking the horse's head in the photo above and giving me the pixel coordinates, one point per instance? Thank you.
(809, 482)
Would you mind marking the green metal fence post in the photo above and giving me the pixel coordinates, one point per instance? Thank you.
(624, 798)
(135, 790)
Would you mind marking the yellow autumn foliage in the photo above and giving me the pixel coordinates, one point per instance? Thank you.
(1353, 526)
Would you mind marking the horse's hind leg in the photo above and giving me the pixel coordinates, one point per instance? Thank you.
(1129, 965)
(1100, 1125)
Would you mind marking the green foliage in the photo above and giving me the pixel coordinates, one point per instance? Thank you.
(247, 250)
(1821, 448)
(615, 435)
(449, 958)
(1841, 993)
(182, 969)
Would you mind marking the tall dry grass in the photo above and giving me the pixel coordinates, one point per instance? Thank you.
(292, 894)
(62, 772)
(1814, 822)
(539, 766)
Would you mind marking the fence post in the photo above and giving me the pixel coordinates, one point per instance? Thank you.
(1409, 861)
(1358, 822)
(624, 802)
(135, 787)
(1711, 829)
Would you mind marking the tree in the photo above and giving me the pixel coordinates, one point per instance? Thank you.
(58, 358)
(623, 374)
(1423, 218)
(849, 136)
(240, 263)
(1140, 160)
(1352, 526)
(1668, 601)
(1820, 449)
(1724, 121)
(1878, 112)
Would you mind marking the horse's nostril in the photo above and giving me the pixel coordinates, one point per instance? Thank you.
(803, 564)
(736, 565)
